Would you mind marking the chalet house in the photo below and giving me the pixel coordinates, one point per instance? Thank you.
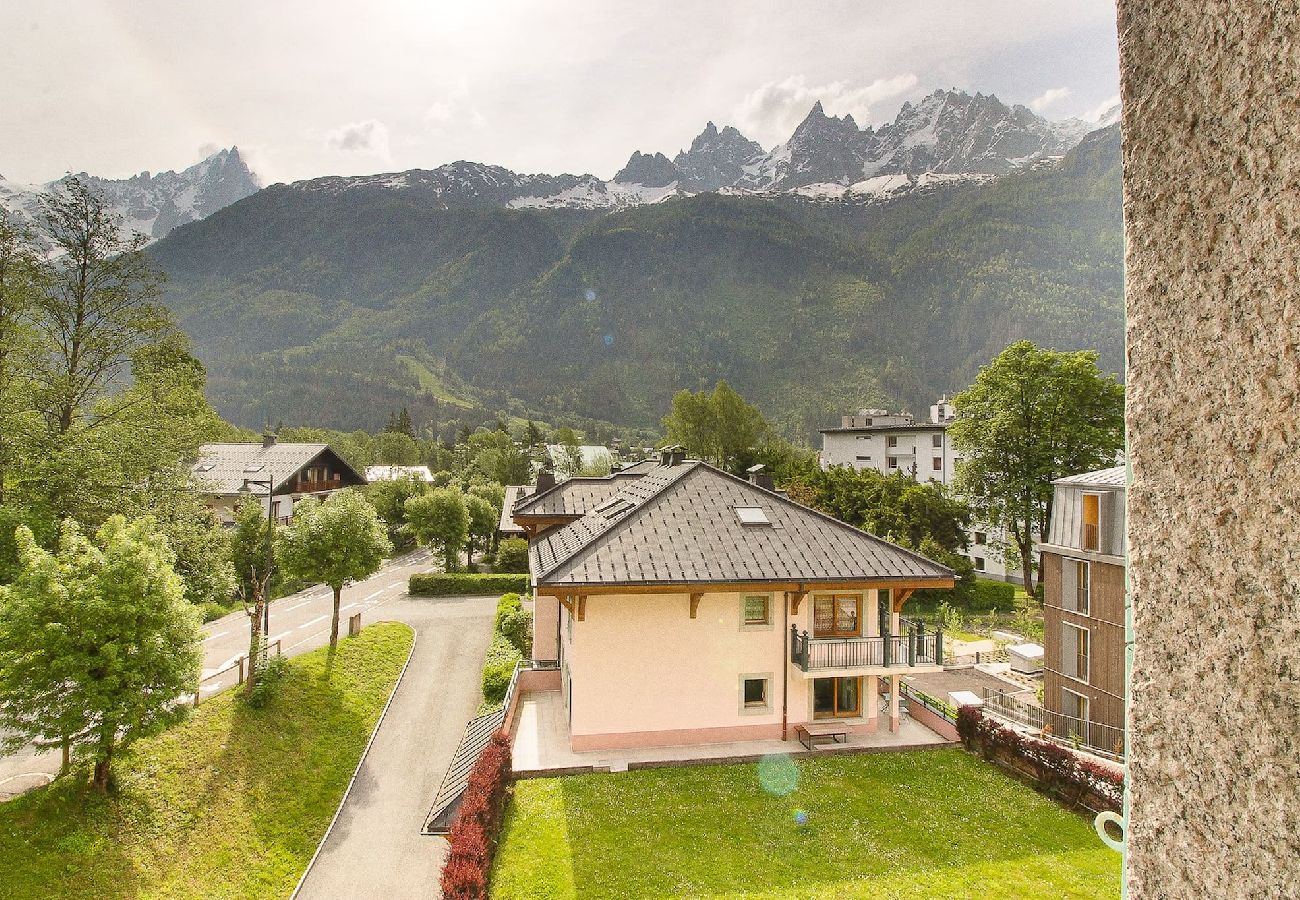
(228, 472)
(1083, 611)
(685, 605)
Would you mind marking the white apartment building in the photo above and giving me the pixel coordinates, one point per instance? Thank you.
(892, 442)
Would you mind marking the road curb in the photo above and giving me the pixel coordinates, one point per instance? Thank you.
(415, 637)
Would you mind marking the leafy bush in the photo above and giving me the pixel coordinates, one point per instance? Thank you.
(268, 681)
(211, 610)
(518, 629)
(512, 555)
(509, 603)
(987, 594)
(478, 820)
(453, 584)
(498, 668)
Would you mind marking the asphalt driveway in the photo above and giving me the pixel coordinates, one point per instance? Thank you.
(376, 848)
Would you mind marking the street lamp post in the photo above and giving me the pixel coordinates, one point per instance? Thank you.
(270, 547)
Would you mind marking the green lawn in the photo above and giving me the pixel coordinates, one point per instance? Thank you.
(931, 824)
(429, 381)
(231, 803)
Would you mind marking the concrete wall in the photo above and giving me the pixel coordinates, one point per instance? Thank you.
(1212, 223)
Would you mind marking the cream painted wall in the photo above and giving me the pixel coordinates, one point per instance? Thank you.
(640, 663)
(546, 616)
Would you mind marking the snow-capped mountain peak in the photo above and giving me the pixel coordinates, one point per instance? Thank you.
(151, 203)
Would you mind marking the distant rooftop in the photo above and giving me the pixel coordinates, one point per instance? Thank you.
(222, 468)
(1115, 476)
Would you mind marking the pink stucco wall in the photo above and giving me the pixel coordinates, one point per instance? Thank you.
(546, 616)
(642, 672)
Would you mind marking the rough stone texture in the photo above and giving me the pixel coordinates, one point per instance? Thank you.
(1212, 207)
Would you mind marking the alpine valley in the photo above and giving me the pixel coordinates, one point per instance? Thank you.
(846, 267)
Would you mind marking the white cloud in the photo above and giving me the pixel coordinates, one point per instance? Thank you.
(370, 136)
(1048, 98)
(1107, 106)
(770, 113)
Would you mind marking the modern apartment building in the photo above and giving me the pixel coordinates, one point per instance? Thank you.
(1083, 613)
(892, 442)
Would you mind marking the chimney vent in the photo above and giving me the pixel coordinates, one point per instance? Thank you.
(673, 455)
(268, 440)
(545, 479)
(761, 478)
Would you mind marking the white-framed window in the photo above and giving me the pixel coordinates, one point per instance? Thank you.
(891, 441)
(755, 611)
(1076, 585)
(936, 440)
(981, 538)
(979, 563)
(893, 462)
(938, 463)
(1074, 651)
(755, 693)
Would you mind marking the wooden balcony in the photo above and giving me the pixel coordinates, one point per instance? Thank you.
(316, 487)
(917, 647)
(1091, 537)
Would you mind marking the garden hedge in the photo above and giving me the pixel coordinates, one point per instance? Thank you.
(988, 594)
(457, 584)
(473, 834)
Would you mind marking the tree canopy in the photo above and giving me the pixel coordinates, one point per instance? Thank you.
(96, 641)
(719, 427)
(440, 518)
(335, 542)
(1031, 416)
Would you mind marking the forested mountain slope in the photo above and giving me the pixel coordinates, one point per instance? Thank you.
(335, 307)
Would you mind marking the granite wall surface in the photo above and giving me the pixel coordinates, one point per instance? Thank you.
(1212, 206)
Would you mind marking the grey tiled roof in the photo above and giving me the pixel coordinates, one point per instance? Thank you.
(679, 526)
(1112, 477)
(507, 525)
(571, 497)
(232, 463)
(639, 468)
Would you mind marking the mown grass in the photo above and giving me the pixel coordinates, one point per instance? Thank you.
(230, 803)
(934, 824)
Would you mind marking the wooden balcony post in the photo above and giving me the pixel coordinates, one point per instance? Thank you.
(938, 645)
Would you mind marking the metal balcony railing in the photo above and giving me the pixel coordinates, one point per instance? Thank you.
(916, 647)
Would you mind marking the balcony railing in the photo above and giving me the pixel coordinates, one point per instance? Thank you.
(1095, 737)
(917, 647)
(1091, 537)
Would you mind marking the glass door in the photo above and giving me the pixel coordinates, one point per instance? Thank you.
(837, 697)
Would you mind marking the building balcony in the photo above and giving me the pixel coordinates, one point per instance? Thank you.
(917, 648)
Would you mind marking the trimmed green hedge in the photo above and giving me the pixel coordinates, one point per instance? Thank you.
(498, 666)
(455, 584)
(988, 594)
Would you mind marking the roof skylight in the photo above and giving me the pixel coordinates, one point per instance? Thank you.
(254, 467)
(752, 515)
(205, 467)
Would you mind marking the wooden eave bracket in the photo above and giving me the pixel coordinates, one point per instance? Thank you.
(695, 603)
(796, 598)
(900, 597)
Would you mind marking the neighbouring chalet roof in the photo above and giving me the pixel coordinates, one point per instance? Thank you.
(222, 468)
(507, 525)
(1115, 476)
(575, 496)
(638, 468)
(680, 525)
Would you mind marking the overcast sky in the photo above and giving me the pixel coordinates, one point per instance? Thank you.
(327, 87)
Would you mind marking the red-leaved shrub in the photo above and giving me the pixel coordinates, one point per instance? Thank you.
(474, 832)
(1060, 772)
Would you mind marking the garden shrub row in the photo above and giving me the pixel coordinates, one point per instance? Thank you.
(473, 836)
(987, 594)
(1061, 773)
(455, 584)
(511, 639)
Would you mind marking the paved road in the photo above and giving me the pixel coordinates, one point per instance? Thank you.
(301, 622)
(376, 849)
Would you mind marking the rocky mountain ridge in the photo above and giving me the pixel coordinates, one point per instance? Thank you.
(151, 203)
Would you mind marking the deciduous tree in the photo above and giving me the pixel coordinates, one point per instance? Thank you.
(1033, 416)
(440, 518)
(335, 543)
(97, 642)
(719, 427)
